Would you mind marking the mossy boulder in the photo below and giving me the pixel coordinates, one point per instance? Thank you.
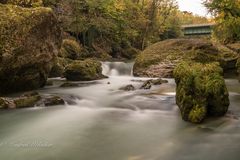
(27, 101)
(59, 67)
(160, 59)
(84, 70)
(201, 91)
(23, 3)
(29, 42)
(71, 49)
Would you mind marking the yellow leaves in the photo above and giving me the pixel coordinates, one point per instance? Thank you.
(120, 5)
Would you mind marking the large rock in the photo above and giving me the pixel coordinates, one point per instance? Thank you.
(29, 42)
(84, 70)
(160, 59)
(201, 91)
(71, 49)
(23, 3)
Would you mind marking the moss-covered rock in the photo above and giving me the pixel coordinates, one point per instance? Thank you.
(53, 101)
(26, 102)
(57, 69)
(29, 42)
(71, 49)
(23, 3)
(160, 59)
(201, 91)
(84, 70)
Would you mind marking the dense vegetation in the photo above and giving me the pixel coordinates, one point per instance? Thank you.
(227, 17)
(117, 27)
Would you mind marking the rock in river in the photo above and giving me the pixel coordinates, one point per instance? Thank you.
(201, 91)
(86, 70)
(160, 59)
(129, 87)
(148, 84)
(53, 100)
(29, 42)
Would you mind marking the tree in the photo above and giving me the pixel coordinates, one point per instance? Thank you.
(189, 18)
(227, 17)
(117, 25)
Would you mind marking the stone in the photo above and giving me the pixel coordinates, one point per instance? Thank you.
(27, 102)
(129, 87)
(30, 39)
(158, 81)
(68, 84)
(23, 3)
(160, 59)
(3, 103)
(86, 70)
(147, 85)
(53, 101)
(201, 91)
(71, 49)
(57, 70)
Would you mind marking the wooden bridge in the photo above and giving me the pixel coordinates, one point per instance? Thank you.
(197, 29)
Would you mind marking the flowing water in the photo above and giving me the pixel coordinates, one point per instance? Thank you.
(108, 124)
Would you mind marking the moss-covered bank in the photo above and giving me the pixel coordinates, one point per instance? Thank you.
(201, 91)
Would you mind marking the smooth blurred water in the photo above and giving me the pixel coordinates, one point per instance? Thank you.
(109, 124)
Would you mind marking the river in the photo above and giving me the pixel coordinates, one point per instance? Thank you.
(108, 124)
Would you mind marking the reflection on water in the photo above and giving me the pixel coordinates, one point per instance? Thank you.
(108, 124)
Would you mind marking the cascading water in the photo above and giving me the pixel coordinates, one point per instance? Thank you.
(109, 124)
(117, 68)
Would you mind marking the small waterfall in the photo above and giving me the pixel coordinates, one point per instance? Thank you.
(117, 68)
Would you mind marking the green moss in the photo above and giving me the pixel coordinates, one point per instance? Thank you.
(70, 49)
(24, 3)
(26, 102)
(57, 69)
(201, 91)
(84, 70)
(15, 24)
(197, 114)
(29, 40)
